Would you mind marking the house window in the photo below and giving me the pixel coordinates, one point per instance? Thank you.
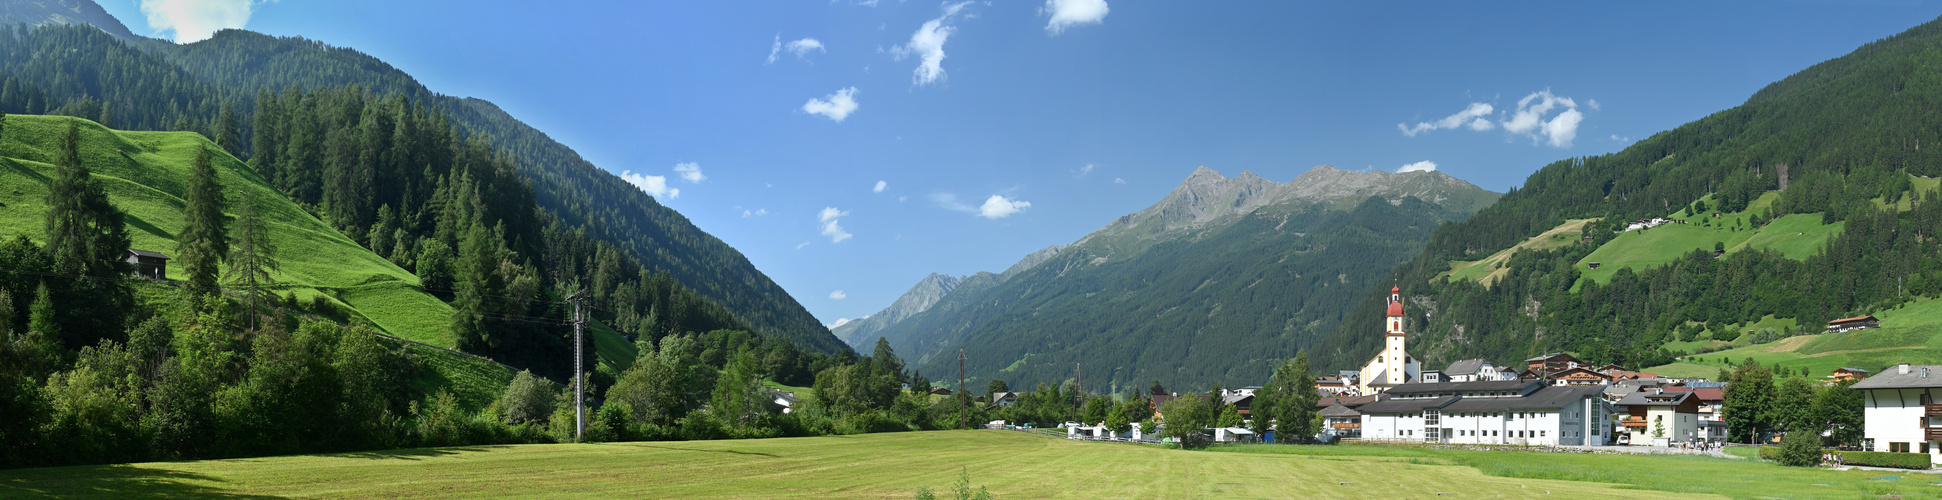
(1925, 447)
(1898, 447)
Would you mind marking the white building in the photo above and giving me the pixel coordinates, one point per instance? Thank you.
(1662, 418)
(1393, 366)
(1900, 413)
(1497, 412)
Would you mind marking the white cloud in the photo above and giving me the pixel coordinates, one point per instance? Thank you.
(928, 45)
(839, 322)
(191, 21)
(1086, 169)
(690, 171)
(1067, 13)
(801, 47)
(835, 106)
(879, 187)
(1421, 166)
(839, 295)
(1529, 118)
(1593, 103)
(1617, 138)
(1117, 180)
(902, 198)
(829, 217)
(756, 213)
(1472, 117)
(803, 244)
(774, 48)
(998, 207)
(653, 185)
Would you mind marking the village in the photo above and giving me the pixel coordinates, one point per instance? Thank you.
(1553, 400)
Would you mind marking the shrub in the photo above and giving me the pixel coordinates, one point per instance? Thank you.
(527, 399)
(1799, 449)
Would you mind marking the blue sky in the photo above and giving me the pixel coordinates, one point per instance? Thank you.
(850, 148)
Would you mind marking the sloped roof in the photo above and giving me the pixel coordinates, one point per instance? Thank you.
(1338, 411)
(1548, 398)
(1465, 367)
(1917, 376)
(1406, 405)
(145, 253)
(1655, 398)
(1482, 385)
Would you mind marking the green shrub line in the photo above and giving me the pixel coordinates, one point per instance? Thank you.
(1916, 461)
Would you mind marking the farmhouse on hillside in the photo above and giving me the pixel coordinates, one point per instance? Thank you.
(149, 264)
(1852, 324)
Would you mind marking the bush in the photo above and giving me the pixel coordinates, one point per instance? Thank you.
(1799, 449)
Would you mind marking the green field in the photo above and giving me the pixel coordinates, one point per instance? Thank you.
(1908, 334)
(1008, 464)
(1489, 268)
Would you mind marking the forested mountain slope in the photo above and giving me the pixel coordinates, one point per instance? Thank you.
(1841, 142)
(1214, 283)
(215, 87)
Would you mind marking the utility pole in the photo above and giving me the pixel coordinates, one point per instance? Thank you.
(962, 395)
(1078, 387)
(579, 300)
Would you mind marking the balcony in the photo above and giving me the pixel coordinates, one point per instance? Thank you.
(1932, 433)
(1933, 410)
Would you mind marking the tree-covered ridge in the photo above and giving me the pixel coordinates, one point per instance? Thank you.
(1839, 139)
(1225, 306)
(212, 87)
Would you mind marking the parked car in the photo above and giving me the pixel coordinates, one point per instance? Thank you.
(1624, 439)
(1069, 424)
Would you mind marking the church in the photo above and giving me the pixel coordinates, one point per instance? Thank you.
(1393, 366)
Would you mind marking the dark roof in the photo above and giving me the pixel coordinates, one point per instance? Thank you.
(1465, 367)
(1855, 370)
(1353, 402)
(1917, 376)
(1406, 405)
(1643, 398)
(145, 253)
(1338, 411)
(1550, 397)
(1853, 319)
(1485, 385)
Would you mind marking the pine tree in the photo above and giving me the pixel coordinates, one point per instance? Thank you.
(203, 241)
(228, 131)
(40, 316)
(252, 257)
(85, 232)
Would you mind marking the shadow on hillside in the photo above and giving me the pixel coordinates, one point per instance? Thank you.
(756, 453)
(410, 453)
(25, 171)
(105, 481)
(145, 226)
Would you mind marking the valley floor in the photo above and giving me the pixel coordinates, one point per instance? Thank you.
(1009, 464)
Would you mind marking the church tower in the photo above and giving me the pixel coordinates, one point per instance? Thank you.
(1394, 349)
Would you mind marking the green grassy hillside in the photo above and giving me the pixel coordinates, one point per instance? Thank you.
(1908, 334)
(145, 174)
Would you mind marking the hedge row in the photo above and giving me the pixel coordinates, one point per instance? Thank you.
(1868, 458)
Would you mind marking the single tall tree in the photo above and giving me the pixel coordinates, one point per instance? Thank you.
(229, 132)
(85, 232)
(252, 259)
(203, 241)
(1748, 408)
(1289, 399)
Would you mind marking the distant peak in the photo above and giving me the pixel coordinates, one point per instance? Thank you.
(1248, 175)
(1325, 168)
(1203, 171)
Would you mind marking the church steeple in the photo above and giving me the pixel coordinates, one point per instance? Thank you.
(1395, 310)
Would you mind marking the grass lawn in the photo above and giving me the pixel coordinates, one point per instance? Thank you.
(1690, 476)
(1009, 464)
(1489, 268)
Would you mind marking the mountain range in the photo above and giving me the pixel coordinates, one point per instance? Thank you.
(1213, 282)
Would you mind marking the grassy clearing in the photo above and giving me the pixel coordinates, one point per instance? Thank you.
(145, 174)
(1686, 475)
(1489, 268)
(1795, 236)
(1009, 464)
(1908, 334)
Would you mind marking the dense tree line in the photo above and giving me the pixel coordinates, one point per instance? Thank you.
(1760, 402)
(1837, 139)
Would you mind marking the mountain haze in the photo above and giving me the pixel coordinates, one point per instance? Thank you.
(1210, 284)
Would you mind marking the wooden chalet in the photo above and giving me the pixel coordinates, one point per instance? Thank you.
(1852, 324)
